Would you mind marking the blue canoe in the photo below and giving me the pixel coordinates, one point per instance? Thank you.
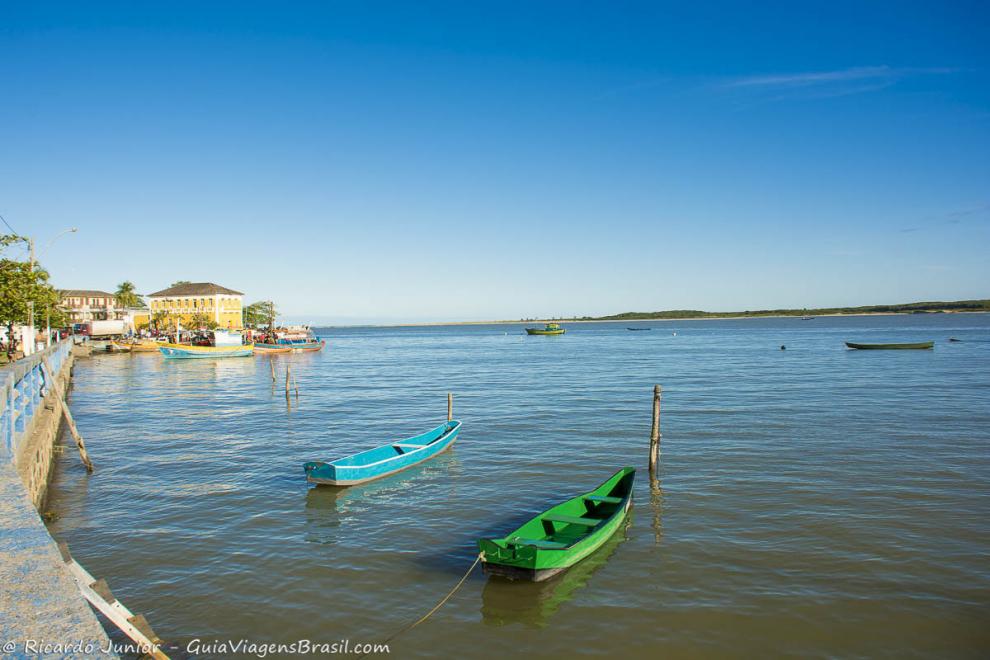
(385, 460)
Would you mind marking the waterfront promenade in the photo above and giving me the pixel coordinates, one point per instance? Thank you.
(40, 604)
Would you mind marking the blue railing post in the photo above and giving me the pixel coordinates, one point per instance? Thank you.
(23, 384)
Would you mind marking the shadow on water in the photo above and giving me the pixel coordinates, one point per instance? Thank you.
(328, 507)
(532, 604)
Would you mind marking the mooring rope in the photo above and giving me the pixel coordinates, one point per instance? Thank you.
(435, 607)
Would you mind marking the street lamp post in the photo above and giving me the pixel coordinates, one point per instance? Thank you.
(33, 261)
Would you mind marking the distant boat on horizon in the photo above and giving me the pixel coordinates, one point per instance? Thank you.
(638, 329)
(548, 329)
(921, 345)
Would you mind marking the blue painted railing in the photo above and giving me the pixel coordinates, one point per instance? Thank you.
(23, 387)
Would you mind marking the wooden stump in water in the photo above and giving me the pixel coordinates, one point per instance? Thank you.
(655, 433)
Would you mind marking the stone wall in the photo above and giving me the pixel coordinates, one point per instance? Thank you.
(35, 457)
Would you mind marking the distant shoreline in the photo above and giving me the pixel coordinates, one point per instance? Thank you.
(536, 322)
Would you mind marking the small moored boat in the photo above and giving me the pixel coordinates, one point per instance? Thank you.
(300, 338)
(548, 329)
(385, 460)
(917, 346)
(638, 329)
(562, 536)
(187, 351)
(145, 346)
(218, 344)
(271, 348)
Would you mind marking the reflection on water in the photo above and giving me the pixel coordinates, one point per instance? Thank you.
(329, 508)
(656, 505)
(505, 601)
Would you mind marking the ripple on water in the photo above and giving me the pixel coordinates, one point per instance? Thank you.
(814, 501)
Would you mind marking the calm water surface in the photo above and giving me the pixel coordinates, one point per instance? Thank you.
(814, 501)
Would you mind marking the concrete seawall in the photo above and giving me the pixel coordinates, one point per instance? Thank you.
(42, 612)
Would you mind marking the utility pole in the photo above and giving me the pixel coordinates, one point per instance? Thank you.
(30, 351)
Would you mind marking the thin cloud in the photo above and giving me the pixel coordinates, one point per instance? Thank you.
(975, 210)
(951, 218)
(820, 78)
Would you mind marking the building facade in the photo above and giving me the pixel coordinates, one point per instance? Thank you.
(82, 305)
(197, 300)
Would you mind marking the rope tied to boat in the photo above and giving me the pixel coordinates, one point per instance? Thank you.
(436, 607)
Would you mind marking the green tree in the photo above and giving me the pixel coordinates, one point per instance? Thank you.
(126, 296)
(201, 320)
(259, 314)
(159, 320)
(20, 284)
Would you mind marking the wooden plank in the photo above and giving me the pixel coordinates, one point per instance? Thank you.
(103, 589)
(83, 454)
(570, 520)
(134, 626)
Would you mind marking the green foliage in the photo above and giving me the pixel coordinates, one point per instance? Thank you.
(932, 307)
(160, 321)
(180, 282)
(201, 320)
(21, 284)
(126, 295)
(259, 314)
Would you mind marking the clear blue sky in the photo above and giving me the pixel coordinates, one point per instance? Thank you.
(426, 161)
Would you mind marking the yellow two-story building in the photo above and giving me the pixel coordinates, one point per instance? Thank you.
(223, 306)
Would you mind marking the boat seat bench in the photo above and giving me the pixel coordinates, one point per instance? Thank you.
(571, 520)
(603, 498)
(539, 543)
(405, 447)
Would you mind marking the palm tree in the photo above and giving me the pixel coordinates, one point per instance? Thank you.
(126, 296)
(160, 320)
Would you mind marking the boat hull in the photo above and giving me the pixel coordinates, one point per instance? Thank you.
(184, 351)
(887, 347)
(272, 348)
(538, 550)
(309, 347)
(538, 331)
(145, 347)
(385, 460)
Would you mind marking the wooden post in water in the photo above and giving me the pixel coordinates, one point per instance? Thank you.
(271, 363)
(288, 377)
(450, 406)
(655, 433)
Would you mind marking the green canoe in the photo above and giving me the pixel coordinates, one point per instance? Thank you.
(918, 345)
(562, 536)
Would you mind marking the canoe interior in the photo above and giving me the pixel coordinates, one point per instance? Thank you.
(562, 535)
(917, 346)
(393, 450)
